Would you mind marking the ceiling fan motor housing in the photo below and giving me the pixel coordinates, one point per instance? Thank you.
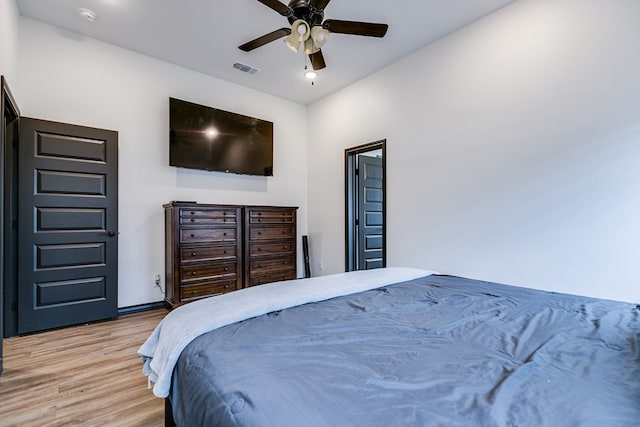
(302, 10)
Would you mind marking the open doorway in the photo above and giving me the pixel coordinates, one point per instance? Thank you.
(365, 206)
(8, 146)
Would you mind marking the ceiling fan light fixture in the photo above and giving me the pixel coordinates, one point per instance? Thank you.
(318, 38)
(300, 33)
(292, 43)
(319, 35)
(310, 47)
(310, 74)
(301, 30)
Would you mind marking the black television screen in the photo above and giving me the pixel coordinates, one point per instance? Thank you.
(207, 138)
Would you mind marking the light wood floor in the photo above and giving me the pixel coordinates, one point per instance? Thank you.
(86, 375)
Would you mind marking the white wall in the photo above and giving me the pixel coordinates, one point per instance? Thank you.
(68, 78)
(513, 151)
(9, 42)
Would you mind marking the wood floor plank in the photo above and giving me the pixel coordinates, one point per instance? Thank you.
(85, 375)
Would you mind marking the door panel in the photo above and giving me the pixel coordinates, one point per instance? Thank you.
(66, 219)
(370, 216)
(68, 223)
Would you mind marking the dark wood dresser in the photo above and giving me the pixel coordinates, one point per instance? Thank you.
(269, 244)
(203, 251)
(213, 249)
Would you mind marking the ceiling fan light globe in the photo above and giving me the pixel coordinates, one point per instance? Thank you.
(320, 36)
(301, 30)
(310, 47)
(292, 43)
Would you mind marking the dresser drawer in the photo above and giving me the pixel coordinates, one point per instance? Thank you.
(203, 235)
(269, 233)
(271, 216)
(260, 249)
(208, 217)
(194, 273)
(189, 292)
(207, 253)
(274, 277)
(267, 266)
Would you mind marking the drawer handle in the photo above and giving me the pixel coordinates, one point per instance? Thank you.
(284, 247)
(193, 273)
(259, 219)
(259, 213)
(225, 251)
(193, 235)
(259, 249)
(227, 286)
(284, 262)
(259, 265)
(224, 220)
(224, 234)
(259, 233)
(284, 277)
(193, 213)
(193, 254)
(226, 269)
(284, 232)
(283, 220)
(193, 220)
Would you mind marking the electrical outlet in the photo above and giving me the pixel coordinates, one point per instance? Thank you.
(157, 279)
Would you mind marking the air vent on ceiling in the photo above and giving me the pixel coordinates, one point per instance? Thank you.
(245, 68)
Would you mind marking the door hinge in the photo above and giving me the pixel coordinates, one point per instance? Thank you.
(357, 172)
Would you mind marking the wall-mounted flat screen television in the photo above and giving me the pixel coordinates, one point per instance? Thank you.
(206, 138)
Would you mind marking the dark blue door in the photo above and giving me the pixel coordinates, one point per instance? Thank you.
(68, 224)
(370, 217)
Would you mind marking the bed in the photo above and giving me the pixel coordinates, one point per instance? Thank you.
(397, 347)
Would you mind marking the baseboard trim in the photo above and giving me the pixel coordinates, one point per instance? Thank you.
(140, 308)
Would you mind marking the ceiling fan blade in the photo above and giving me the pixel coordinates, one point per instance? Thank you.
(267, 38)
(368, 29)
(281, 8)
(317, 60)
(319, 4)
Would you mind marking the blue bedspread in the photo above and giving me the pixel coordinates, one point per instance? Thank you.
(435, 351)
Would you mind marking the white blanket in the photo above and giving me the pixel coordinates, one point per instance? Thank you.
(161, 350)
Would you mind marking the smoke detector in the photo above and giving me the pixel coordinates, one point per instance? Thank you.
(87, 14)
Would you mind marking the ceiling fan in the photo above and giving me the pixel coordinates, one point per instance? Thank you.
(309, 31)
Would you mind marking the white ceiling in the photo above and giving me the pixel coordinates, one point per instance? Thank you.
(203, 35)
